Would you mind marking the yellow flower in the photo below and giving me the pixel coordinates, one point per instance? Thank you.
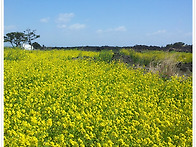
(98, 145)
(59, 101)
(34, 120)
(49, 122)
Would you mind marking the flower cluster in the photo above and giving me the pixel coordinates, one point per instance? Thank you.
(146, 57)
(53, 100)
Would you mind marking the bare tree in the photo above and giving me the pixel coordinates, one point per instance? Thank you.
(30, 35)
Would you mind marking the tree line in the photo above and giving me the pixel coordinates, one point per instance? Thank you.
(16, 39)
(178, 46)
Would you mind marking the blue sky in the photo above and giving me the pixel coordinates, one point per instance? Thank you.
(101, 22)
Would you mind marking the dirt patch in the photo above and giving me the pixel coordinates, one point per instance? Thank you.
(184, 66)
(122, 58)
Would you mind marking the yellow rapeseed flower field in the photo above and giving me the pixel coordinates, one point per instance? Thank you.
(53, 99)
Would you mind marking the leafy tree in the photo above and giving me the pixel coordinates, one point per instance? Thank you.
(178, 45)
(36, 45)
(30, 35)
(15, 38)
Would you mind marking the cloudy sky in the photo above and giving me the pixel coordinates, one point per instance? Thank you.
(101, 22)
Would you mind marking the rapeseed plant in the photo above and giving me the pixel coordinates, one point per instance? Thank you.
(53, 100)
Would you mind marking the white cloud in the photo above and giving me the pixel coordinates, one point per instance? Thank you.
(10, 27)
(77, 26)
(63, 22)
(120, 28)
(63, 26)
(157, 33)
(117, 29)
(99, 31)
(65, 17)
(44, 20)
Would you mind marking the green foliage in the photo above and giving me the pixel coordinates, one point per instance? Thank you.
(147, 57)
(105, 55)
(176, 45)
(36, 45)
(14, 54)
(124, 52)
(15, 38)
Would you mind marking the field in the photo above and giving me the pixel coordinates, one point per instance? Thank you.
(146, 57)
(82, 98)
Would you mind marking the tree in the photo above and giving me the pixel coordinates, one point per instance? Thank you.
(178, 45)
(15, 38)
(30, 35)
(36, 45)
